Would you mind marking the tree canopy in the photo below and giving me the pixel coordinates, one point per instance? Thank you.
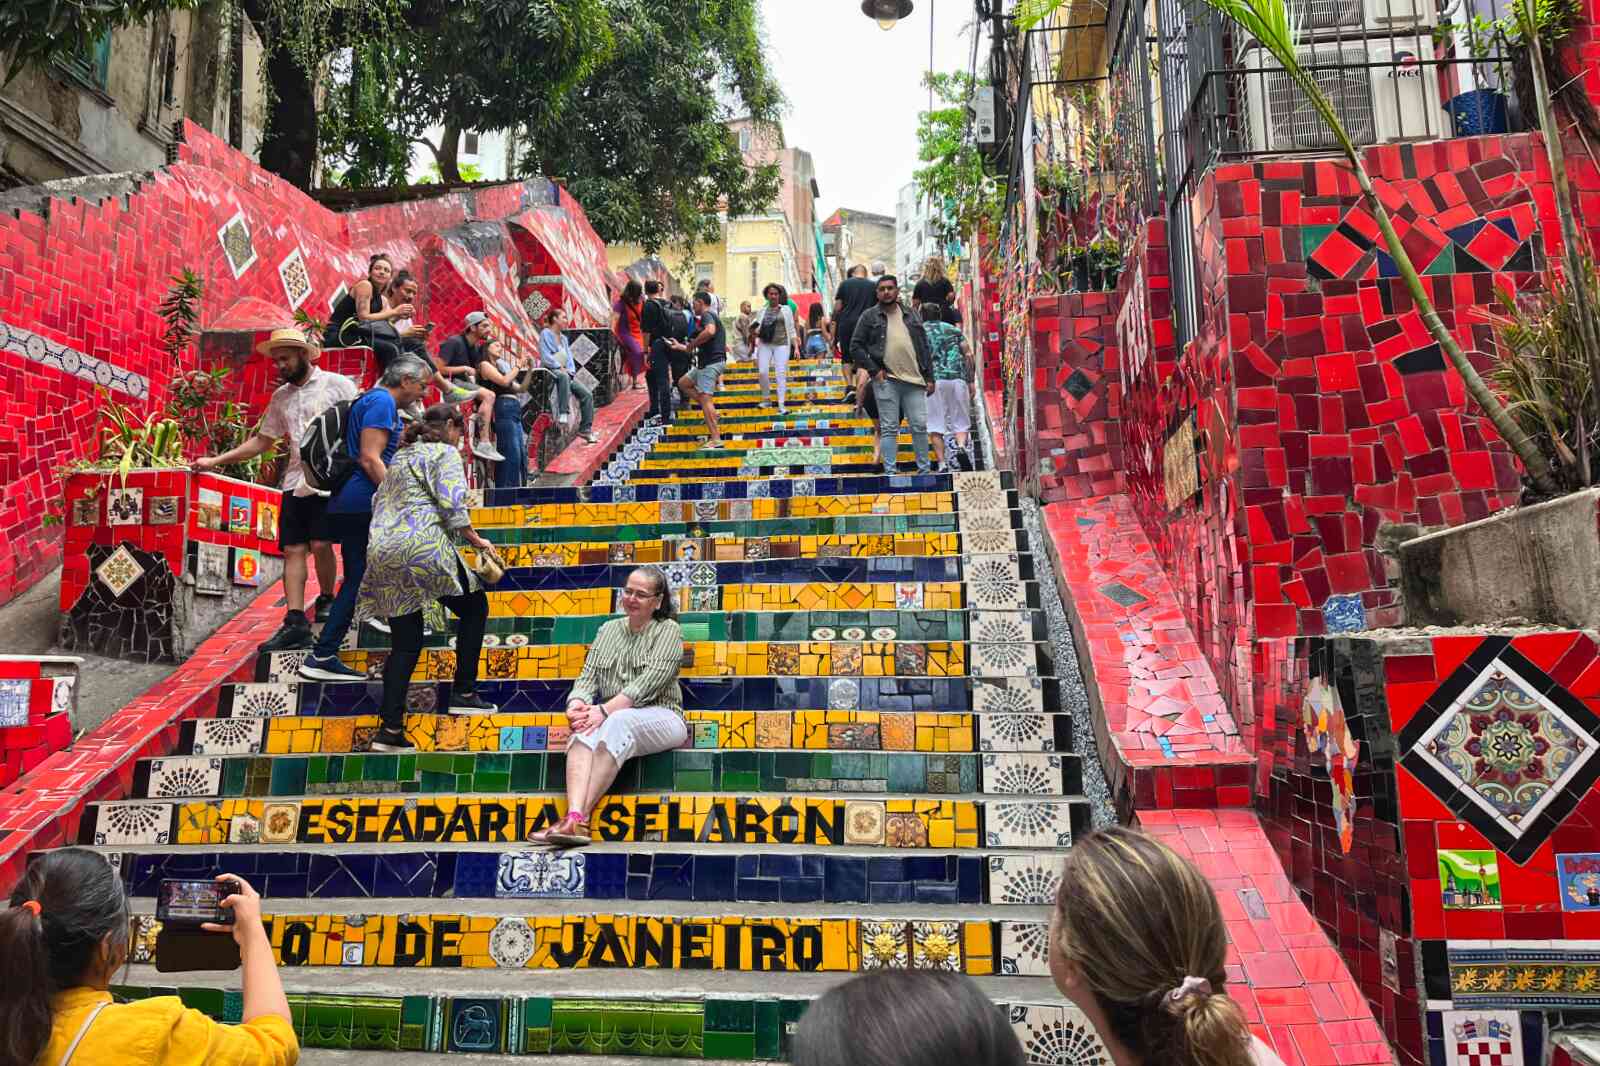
(954, 179)
(39, 31)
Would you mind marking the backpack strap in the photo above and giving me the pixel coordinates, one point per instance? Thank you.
(82, 1032)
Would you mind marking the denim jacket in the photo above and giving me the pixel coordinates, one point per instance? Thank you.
(872, 333)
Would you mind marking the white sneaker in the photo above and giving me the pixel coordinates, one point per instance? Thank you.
(484, 450)
(379, 624)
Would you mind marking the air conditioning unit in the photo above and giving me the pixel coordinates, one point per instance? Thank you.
(1383, 90)
(1324, 17)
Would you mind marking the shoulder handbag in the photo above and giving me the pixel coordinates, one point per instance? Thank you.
(489, 565)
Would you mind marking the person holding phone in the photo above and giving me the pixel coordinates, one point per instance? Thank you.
(63, 938)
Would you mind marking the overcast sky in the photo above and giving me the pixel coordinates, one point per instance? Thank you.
(855, 90)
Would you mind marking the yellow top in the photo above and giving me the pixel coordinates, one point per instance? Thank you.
(161, 1031)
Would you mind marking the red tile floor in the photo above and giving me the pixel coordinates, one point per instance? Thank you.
(613, 423)
(1289, 979)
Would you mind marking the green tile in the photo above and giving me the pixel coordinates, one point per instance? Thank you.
(433, 781)
(207, 1001)
(1311, 238)
(769, 1029)
(1443, 263)
(407, 768)
(656, 771)
(536, 1012)
(527, 772)
(441, 762)
(233, 776)
(288, 777)
(491, 782)
(695, 760)
(907, 772)
(494, 762)
(730, 1016)
(464, 764)
(694, 781)
(316, 770)
(742, 782)
(353, 766)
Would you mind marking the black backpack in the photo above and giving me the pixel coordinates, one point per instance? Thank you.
(677, 325)
(325, 458)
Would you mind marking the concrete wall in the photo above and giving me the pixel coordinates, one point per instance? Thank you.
(1541, 563)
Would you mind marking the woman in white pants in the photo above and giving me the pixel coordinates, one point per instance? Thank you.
(776, 338)
(626, 701)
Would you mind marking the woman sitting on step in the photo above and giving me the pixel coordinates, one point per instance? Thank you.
(1138, 943)
(419, 515)
(626, 701)
(65, 937)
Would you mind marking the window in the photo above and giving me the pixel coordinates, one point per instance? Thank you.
(169, 73)
(90, 67)
(469, 144)
(702, 274)
(745, 139)
(755, 265)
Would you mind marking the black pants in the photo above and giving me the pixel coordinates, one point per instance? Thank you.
(406, 648)
(658, 379)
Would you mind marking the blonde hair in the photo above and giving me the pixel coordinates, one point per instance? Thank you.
(1142, 927)
(933, 269)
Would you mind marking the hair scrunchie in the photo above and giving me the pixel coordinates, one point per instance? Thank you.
(32, 906)
(1190, 985)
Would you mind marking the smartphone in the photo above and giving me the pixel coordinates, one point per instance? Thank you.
(187, 903)
(431, 326)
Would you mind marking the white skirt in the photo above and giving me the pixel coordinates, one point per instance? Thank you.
(636, 731)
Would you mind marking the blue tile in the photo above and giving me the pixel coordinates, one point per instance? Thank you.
(606, 876)
(476, 874)
(845, 880)
(639, 864)
(760, 890)
(969, 880)
(886, 870)
(802, 889)
(935, 893)
(283, 886)
(773, 865)
(931, 868)
(889, 892)
(714, 876)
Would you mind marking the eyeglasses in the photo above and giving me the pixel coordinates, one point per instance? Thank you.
(636, 594)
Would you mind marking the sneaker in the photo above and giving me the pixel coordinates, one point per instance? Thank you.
(470, 703)
(316, 668)
(458, 395)
(590, 437)
(381, 625)
(484, 450)
(713, 445)
(320, 607)
(392, 740)
(290, 636)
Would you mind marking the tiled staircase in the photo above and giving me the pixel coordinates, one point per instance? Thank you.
(878, 777)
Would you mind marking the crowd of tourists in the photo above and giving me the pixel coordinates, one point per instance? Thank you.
(1136, 941)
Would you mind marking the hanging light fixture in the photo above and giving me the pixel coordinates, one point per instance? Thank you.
(886, 12)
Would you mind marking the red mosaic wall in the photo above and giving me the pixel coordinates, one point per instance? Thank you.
(1391, 764)
(1078, 390)
(79, 289)
(1312, 399)
(37, 699)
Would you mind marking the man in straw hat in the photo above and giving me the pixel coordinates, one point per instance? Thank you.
(305, 393)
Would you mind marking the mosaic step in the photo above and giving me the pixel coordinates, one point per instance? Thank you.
(687, 873)
(973, 484)
(817, 821)
(683, 549)
(902, 695)
(994, 627)
(999, 573)
(463, 938)
(686, 770)
(996, 537)
(800, 505)
(836, 731)
(612, 1012)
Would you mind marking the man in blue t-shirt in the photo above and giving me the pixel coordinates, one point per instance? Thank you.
(372, 434)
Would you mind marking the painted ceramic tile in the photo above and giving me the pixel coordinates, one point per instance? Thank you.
(265, 699)
(14, 696)
(1482, 1038)
(1025, 949)
(227, 736)
(539, 875)
(211, 569)
(1022, 775)
(239, 515)
(1031, 823)
(163, 510)
(1579, 877)
(994, 582)
(1057, 1035)
(133, 823)
(1024, 880)
(884, 946)
(180, 776)
(208, 509)
(119, 571)
(86, 511)
(1469, 880)
(1014, 696)
(125, 507)
(279, 822)
(247, 567)
(234, 236)
(267, 521)
(1389, 960)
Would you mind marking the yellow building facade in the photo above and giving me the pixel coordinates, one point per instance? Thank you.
(754, 250)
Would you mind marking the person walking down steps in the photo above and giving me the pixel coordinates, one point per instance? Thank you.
(890, 344)
(776, 338)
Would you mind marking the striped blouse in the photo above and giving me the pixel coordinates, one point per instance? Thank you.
(642, 666)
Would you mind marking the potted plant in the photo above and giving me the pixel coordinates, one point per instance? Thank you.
(1105, 260)
(1075, 259)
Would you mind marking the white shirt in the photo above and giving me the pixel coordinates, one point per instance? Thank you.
(291, 410)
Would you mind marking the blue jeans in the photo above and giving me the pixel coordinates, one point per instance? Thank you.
(897, 398)
(567, 387)
(350, 531)
(512, 440)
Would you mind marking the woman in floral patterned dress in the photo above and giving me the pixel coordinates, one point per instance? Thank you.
(419, 514)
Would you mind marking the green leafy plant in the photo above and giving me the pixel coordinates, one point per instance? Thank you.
(1269, 22)
(309, 324)
(955, 173)
(130, 441)
(180, 311)
(1544, 373)
(210, 422)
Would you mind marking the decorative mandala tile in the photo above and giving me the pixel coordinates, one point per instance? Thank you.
(15, 695)
(844, 695)
(536, 305)
(863, 822)
(1024, 880)
(283, 666)
(296, 279)
(1029, 823)
(1004, 660)
(936, 946)
(265, 699)
(583, 349)
(63, 694)
(1002, 627)
(857, 633)
(234, 236)
(184, 775)
(133, 823)
(1505, 747)
(1014, 696)
(885, 946)
(1025, 949)
(586, 378)
(227, 736)
(1015, 732)
(705, 574)
(1057, 1035)
(125, 507)
(988, 541)
(824, 633)
(279, 822)
(970, 521)
(511, 943)
(979, 491)
(119, 571)
(994, 582)
(1022, 775)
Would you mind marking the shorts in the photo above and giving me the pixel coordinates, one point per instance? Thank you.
(682, 363)
(950, 407)
(707, 378)
(303, 519)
